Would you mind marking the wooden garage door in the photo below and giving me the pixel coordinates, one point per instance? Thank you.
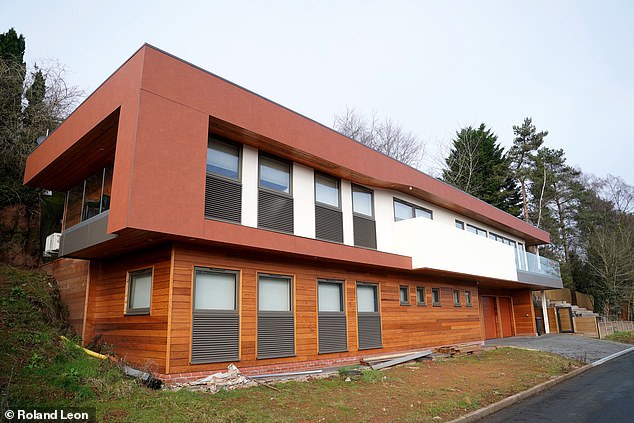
(489, 316)
(505, 316)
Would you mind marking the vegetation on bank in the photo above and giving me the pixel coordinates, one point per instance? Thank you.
(625, 337)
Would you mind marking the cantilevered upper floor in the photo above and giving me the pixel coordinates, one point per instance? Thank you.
(164, 150)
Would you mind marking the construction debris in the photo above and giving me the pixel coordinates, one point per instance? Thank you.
(400, 360)
(460, 350)
(285, 375)
(228, 380)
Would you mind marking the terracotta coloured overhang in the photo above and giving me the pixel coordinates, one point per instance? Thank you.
(248, 118)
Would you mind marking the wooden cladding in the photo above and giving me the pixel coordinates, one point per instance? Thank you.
(223, 199)
(275, 211)
(177, 337)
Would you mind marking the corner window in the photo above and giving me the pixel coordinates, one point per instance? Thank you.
(275, 174)
(223, 158)
(404, 210)
(139, 292)
(362, 201)
(420, 295)
(459, 224)
(404, 295)
(435, 297)
(467, 298)
(456, 297)
(327, 190)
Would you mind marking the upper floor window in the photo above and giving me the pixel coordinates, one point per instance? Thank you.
(459, 224)
(327, 190)
(275, 174)
(476, 230)
(404, 210)
(501, 239)
(362, 201)
(223, 158)
(88, 198)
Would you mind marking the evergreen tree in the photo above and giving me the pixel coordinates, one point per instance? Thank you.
(478, 165)
(522, 157)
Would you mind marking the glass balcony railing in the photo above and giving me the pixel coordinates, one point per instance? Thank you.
(539, 265)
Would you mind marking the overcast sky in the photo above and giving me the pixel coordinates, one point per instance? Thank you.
(434, 67)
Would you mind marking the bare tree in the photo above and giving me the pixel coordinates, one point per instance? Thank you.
(382, 135)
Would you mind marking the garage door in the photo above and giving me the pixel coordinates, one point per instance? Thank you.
(497, 316)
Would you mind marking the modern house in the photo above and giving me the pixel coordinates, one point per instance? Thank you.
(206, 225)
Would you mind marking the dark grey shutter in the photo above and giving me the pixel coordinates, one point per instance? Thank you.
(215, 336)
(369, 330)
(223, 199)
(333, 335)
(364, 232)
(328, 224)
(276, 334)
(275, 211)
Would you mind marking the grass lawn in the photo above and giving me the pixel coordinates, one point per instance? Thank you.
(37, 369)
(625, 337)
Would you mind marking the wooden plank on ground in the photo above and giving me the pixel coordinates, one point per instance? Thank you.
(400, 360)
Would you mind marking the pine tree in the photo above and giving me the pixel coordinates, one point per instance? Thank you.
(478, 165)
(522, 157)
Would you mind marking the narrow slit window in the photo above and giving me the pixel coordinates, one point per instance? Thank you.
(456, 297)
(404, 295)
(420, 295)
(467, 298)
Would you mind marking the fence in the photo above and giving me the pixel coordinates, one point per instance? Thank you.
(608, 328)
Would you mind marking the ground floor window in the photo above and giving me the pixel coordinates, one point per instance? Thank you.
(276, 321)
(333, 335)
(368, 316)
(215, 317)
(139, 292)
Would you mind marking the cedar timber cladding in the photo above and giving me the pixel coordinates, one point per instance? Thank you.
(139, 339)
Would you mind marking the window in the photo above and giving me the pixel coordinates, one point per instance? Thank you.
(88, 198)
(501, 239)
(420, 295)
(327, 190)
(362, 201)
(364, 226)
(330, 296)
(275, 174)
(367, 299)
(404, 210)
(215, 311)
(328, 215)
(276, 322)
(467, 298)
(404, 295)
(275, 204)
(435, 296)
(215, 290)
(456, 297)
(274, 293)
(368, 316)
(459, 224)
(476, 230)
(333, 333)
(223, 158)
(139, 292)
(223, 190)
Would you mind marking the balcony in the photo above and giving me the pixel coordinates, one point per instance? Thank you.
(90, 232)
(439, 246)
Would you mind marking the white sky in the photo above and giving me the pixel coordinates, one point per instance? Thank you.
(432, 66)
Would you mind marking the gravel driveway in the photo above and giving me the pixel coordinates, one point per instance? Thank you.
(576, 347)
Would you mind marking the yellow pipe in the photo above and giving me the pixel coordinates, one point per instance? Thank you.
(86, 350)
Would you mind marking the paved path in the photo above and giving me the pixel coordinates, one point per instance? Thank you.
(602, 394)
(576, 347)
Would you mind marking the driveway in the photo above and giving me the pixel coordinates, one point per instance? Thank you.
(575, 347)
